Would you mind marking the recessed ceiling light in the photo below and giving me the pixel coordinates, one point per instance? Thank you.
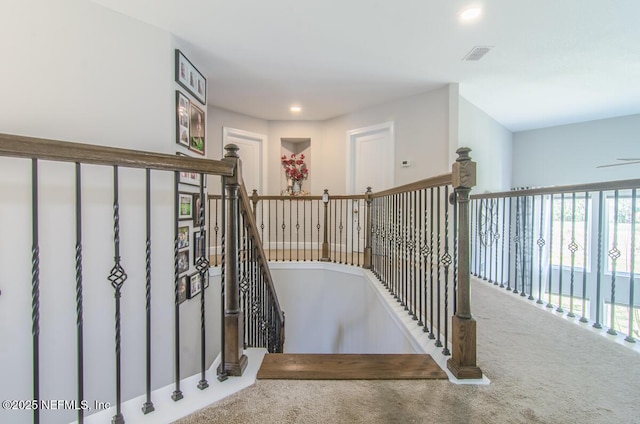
(470, 13)
(295, 109)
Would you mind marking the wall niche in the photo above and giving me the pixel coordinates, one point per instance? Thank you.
(297, 146)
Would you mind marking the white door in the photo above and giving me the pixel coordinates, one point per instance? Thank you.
(371, 160)
(252, 146)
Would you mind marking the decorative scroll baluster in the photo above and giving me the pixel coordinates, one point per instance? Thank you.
(35, 286)
(531, 237)
(630, 337)
(489, 238)
(614, 254)
(422, 242)
(216, 228)
(177, 393)
(523, 247)
(284, 229)
(117, 277)
(148, 405)
(79, 299)
(496, 239)
(202, 266)
(415, 232)
(454, 200)
(583, 318)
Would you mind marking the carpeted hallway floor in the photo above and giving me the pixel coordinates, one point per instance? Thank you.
(543, 369)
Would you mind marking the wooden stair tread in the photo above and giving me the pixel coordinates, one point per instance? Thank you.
(290, 366)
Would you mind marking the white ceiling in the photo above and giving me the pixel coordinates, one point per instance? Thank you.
(553, 62)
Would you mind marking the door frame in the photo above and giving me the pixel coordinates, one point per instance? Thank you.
(261, 139)
(352, 138)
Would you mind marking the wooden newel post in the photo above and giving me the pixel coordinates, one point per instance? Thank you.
(235, 361)
(325, 238)
(368, 197)
(463, 356)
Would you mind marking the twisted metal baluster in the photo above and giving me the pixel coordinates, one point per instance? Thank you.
(148, 405)
(614, 254)
(504, 220)
(599, 266)
(177, 393)
(202, 266)
(573, 248)
(550, 266)
(35, 286)
(509, 244)
(79, 300)
(438, 341)
(117, 277)
(560, 269)
(517, 245)
(431, 335)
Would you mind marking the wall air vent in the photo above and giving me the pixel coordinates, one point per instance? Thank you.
(477, 53)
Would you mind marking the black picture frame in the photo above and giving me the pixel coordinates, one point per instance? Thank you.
(197, 130)
(185, 206)
(199, 237)
(183, 261)
(189, 78)
(190, 178)
(183, 284)
(195, 284)
(183, 119)
(196, 204)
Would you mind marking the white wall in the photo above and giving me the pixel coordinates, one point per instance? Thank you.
(76, 71)
(570, 154)
(331, 311)
(490, 145)
(219, 118)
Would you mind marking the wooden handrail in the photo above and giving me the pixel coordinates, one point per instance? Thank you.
(333, 197)
(605, 186)
(440, 180)
(65, 151)
(245, 205)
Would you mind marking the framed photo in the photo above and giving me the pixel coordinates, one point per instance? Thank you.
(183, 283)
(195, 284)
(183, 108)
(185, 206)
(183, 237)
(199, 240)
(190, 178)
(197, 204)
(190, 78)
(197, 130)
(183, 261)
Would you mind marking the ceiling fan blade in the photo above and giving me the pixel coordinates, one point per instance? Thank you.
(618, 164)
(629, 159)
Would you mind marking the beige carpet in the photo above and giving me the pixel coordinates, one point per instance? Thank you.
(543, 369)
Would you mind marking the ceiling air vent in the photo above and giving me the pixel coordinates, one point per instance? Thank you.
(477, 53)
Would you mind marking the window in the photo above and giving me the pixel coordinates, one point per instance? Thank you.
(623, 240)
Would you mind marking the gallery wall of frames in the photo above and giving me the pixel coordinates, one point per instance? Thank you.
(191, 99)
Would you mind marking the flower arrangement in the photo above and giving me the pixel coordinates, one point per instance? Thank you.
(294, 167)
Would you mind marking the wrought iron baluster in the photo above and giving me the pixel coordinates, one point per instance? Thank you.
(583, 318)
(509, 244)
(35, 286)
(504, 220)
(431, 204)
(216, 228)
(341, 227)
(79, 298)
(148, 405)
(415, 231)
(523, 247)
(422, 254)
(489, 238)
(550, 266)
(485, 232)
(446, 260)
(304, 231)
(298, 230)
(597, 324)
(438, 270)
(177, 393)
(531, 237)
(560, 268)
(202, 266)
(404, 251)
(222, 371)
(454, 200)
(496, 238)
(517, 245)
(541, 243)
(117, 277)
(573, 248)
(630, 337)
(614, 254)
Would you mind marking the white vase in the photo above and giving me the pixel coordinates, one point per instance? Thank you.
(297, 187)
